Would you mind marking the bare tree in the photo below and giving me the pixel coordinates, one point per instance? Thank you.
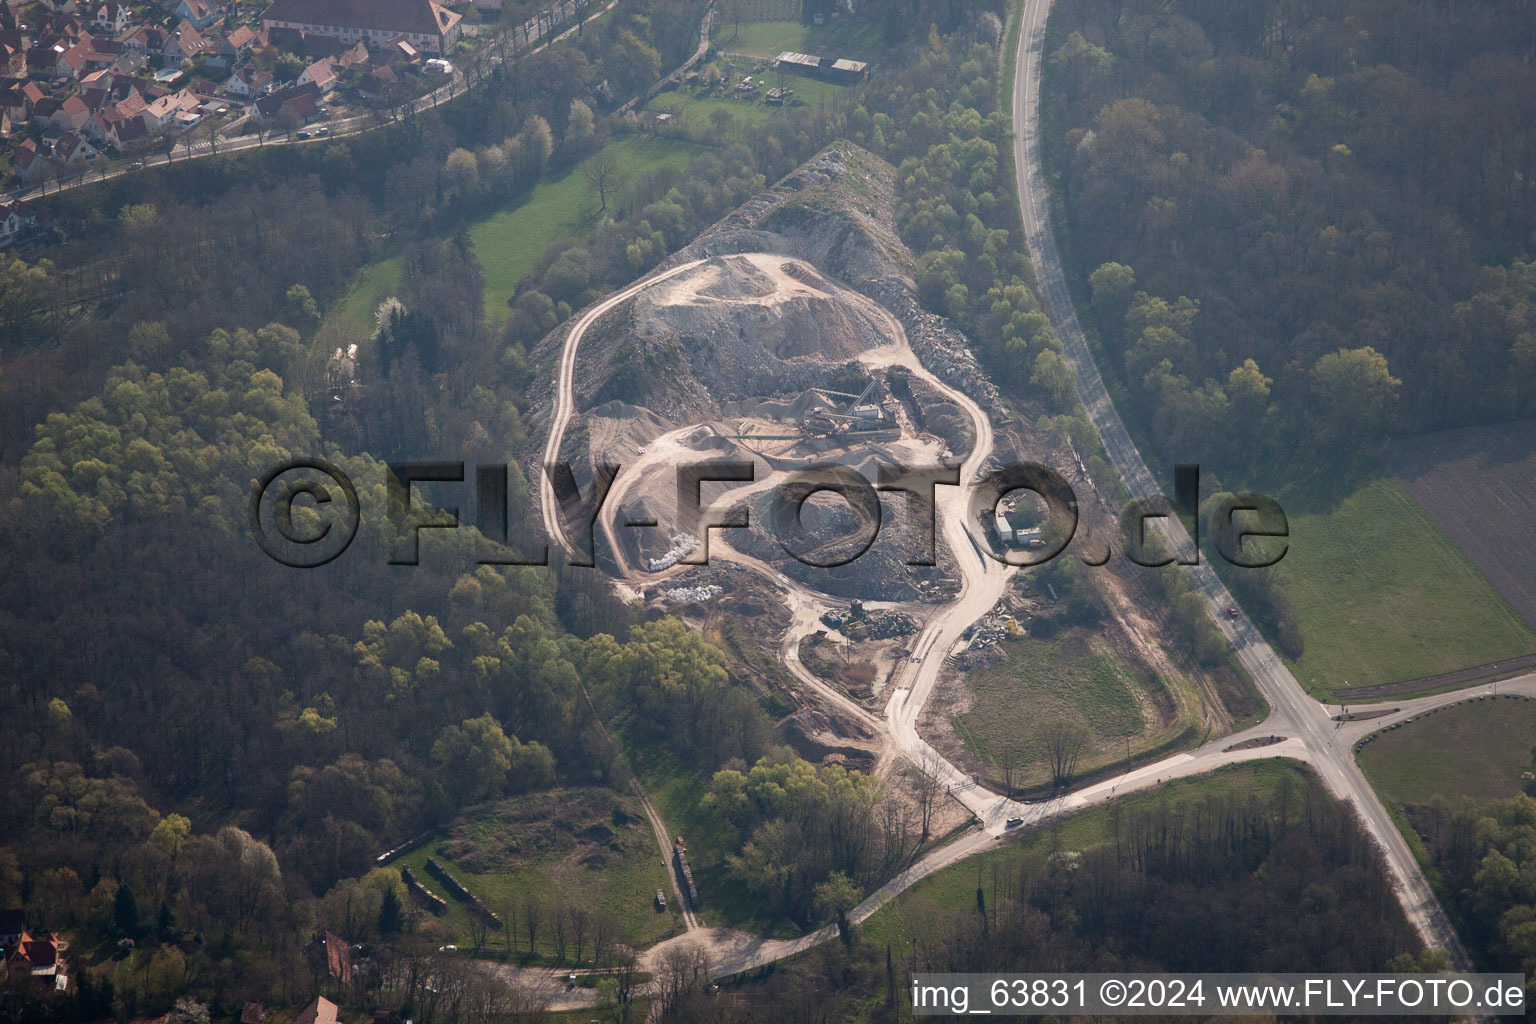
(287, 122)
(603, 176)
(581, 8)
(533, 919)
(210, 130)
(581, 925)
(559, 923)
(478, 927)
(1064, 742)
(895, 826)
(684, 970)
(164, 141)
(626, 979)
(604, 928)
(926, 784)
(509, 923)
(1009, 754)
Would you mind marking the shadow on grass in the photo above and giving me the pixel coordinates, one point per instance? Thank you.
(1317, 484)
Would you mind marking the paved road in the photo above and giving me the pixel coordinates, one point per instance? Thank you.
(1292, 711)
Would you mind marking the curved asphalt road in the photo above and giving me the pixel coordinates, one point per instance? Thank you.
(1293, 711)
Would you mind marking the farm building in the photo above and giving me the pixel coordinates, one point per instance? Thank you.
(831, 69)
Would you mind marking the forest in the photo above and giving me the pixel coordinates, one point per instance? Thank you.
(1300, 223)
(1222, 883)
(208, 751)
(1486, 856)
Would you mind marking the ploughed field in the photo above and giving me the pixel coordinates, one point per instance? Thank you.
(1479, 485)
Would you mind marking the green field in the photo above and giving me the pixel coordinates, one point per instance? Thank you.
(565, 845)
(1476, 750)
(841, 38)
(1072, 676)
(695, 104)
(1382, 595)
(508, 242)
(375, 283)
(954, 888)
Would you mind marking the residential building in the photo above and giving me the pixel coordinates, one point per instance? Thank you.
(239, 41)
(71, 114)
(72, 149)
(201, 13)
(248, 83)
(185, 43)
(145, 39)
(107, 17)
(302, 101)
(321, 1011)
(425, 24)
(17, 219)
(322, 73)
(39, 952)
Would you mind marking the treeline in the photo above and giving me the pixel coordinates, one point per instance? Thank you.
(1486, 858)
(1225, 883)
(941, 124)
(1304, 224)
(1228, 884)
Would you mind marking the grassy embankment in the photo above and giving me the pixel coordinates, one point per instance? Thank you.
(509, 241)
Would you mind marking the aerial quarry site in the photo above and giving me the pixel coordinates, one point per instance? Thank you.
(767, 511)
(788, 336)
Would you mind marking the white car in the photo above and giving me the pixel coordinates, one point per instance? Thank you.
(450, 948)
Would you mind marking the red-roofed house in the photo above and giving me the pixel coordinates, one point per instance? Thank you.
(145, 39)
(72, 149)
(321, 1011)
(322, 73)
(239, 41)
(426, 24)
(125, 132)
(108, 17)
(248, 83)
(14, 104)
(302, 101)
(13, 58)
(184, 44)
(86, 56)
(200, 13)
(167, 110)
(377, 83)
(40, 953)
(71, 115)
(355, 57)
